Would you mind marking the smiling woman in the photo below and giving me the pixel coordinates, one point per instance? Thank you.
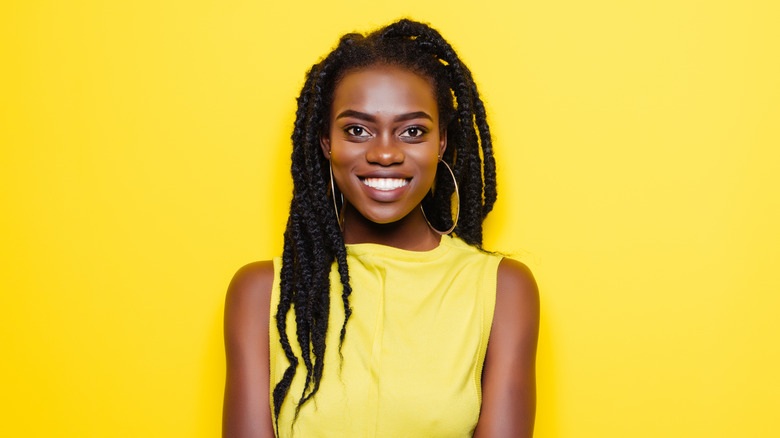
(427, 334)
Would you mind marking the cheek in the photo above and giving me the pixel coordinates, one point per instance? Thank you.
(428, 164)
(341, 161)
(432, 169)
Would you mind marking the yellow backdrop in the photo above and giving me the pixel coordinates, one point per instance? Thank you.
(145, 158)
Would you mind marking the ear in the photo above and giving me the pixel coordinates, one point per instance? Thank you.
(325, 144)
(443, 142)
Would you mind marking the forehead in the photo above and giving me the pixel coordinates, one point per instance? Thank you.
(381, 90)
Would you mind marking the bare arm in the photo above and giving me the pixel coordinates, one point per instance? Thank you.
(246, 411)
(509, 375)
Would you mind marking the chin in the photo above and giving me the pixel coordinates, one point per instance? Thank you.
(384, 217)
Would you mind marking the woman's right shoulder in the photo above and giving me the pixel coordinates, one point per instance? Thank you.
(246, 410)
(250, 288)
(252, 277)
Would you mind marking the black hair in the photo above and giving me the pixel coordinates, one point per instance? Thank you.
(313, 238)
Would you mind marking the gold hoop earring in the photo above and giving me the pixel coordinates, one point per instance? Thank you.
(457, 212)
(333, 193)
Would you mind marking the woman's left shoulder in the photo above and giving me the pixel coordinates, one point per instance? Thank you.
(516, 290)
(509, 373)
(515, 277)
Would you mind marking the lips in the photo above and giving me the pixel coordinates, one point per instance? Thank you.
(385, 184)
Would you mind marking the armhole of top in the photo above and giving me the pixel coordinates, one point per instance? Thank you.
(488, 293)
(273, 332)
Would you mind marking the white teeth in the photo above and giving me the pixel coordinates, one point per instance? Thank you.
(385, 184)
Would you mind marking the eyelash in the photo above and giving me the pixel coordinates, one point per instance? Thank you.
(422, 131)
(350, 130)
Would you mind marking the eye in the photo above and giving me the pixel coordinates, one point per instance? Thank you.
(356, 131)
(414, 132)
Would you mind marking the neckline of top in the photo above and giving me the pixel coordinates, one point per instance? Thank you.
(376, 249)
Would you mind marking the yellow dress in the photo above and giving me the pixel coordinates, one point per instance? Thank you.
(414, 347)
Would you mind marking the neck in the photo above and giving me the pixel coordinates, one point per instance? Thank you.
(410, 233)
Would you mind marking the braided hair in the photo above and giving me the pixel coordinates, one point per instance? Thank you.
(313, 238)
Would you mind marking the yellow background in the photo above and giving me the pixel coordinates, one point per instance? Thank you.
(145, 158)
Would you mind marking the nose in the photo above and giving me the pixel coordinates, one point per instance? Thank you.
(385, 152)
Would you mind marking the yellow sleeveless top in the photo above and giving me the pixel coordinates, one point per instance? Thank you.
(414, 347)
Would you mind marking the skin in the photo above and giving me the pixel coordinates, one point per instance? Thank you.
(384, 122)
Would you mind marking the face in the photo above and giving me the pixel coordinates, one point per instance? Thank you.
(384, 141)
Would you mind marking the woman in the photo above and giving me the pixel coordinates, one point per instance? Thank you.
(376, 321)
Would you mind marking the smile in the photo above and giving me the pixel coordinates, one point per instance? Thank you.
(385, 184)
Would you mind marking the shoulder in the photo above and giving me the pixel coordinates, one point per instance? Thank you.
(248, 297)
(252, 279)
(516, 280)
(509, 373)
(517, 299)
(246, 410)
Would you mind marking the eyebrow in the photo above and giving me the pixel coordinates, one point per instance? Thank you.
(370, 118)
